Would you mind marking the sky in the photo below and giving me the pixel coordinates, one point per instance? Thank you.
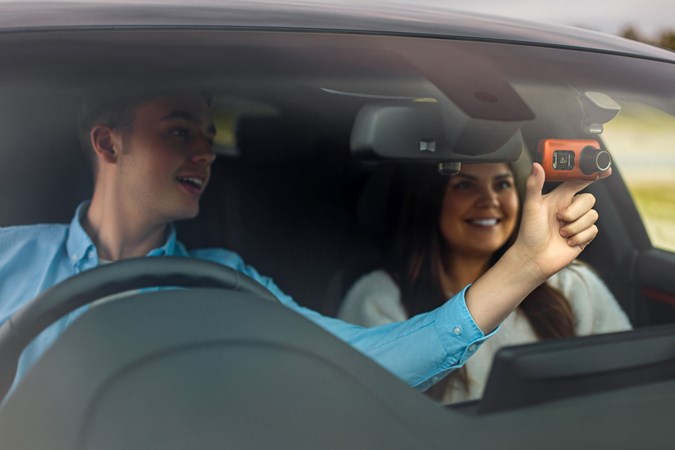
(649, 17)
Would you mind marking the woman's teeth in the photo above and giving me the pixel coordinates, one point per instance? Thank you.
(484, 222)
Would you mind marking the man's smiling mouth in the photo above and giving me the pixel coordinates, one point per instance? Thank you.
(194, 185)
(197, 183)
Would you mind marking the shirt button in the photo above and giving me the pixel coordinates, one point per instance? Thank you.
(472, 348)
(457, 330)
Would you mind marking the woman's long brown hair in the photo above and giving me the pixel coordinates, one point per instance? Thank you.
(419, 254)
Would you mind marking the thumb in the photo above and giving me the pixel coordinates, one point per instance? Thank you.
(535, 182)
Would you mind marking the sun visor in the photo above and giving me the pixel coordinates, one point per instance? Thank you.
(429, 131)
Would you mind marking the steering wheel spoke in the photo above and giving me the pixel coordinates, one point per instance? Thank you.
(127, 275)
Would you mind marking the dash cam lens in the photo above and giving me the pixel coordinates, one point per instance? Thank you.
(603, 161)
(594, 160)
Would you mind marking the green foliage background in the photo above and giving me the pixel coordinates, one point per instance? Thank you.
(666, 39)
(649, 175)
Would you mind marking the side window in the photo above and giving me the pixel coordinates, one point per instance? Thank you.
(642, 143)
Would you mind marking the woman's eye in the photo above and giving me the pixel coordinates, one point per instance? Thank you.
(502, 185)
(462, 185)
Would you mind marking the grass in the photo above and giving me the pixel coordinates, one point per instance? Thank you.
(656, 203)
(642, 138)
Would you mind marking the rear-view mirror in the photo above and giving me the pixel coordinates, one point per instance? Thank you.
(428, 131)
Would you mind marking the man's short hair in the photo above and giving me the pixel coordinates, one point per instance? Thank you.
(117, 110)
(114, 111)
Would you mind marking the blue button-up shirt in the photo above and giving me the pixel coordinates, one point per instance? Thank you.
(420, 350)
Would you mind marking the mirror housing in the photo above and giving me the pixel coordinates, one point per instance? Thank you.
(424, 131)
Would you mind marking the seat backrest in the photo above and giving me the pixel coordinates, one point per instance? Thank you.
(286, 205)
(41, 182)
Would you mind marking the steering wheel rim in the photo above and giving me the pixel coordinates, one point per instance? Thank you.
(127, 275)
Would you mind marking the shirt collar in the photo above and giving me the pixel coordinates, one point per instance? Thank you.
(169, 247)
(81, 249)
(79, 244)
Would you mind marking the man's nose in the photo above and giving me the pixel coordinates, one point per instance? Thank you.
(203, 152)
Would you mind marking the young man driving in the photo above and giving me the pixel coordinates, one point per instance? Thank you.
(153, 158)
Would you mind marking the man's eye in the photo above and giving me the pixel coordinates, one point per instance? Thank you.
(180, 132)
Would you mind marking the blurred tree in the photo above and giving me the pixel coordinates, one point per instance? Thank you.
(629, 32)
(666, 39)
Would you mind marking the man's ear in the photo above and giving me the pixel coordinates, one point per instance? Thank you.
(105, 142)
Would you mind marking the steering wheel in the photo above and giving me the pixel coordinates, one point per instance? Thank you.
(82, 289)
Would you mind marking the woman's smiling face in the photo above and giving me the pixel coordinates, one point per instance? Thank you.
(479, 210)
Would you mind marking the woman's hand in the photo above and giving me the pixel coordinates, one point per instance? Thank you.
(555, 227)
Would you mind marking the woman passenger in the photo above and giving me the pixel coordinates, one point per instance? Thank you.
(451, 231)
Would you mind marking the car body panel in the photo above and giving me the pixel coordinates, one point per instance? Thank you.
(344, 16)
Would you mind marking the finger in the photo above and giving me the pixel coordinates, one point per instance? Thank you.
(586, 221)
(605, 174)
(573, 187)
(535, 182)
(583, 238)
(581, 204)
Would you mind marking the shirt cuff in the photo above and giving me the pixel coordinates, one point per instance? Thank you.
(458, 332)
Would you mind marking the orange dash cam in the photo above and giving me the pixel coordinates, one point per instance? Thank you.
(573, 159)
